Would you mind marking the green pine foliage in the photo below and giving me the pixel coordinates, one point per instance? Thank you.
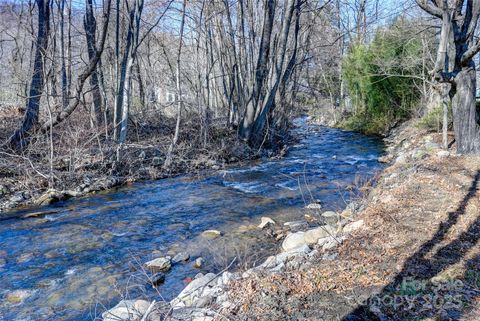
(384, 78)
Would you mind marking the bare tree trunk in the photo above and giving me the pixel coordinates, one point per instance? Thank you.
(455, 66)
(168, 160)
(65, 86)
(465, 118)
(18, 139)
(261, 71)
(82, 77)
(90, 26)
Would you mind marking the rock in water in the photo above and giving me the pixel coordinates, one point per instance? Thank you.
(313, 206)
(211, 234)
(293, 241)
(17, 296)
(312, 236)
(198, 262)
(162, 264)
(181, 257)
(265, 222)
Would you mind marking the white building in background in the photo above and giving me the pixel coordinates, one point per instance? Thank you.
(164, 96)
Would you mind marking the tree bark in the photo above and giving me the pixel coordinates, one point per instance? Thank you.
(465, 118)
(168, 159)
(261, 71)
(455, 65)
(18, 140)
(90, 25)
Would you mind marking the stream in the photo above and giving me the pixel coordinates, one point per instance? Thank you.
(79, 257)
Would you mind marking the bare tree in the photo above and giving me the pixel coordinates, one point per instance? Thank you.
(168, 159)
(30, 119)
(455, 65)
(90, 26)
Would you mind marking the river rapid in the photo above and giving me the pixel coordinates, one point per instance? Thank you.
(74, 259)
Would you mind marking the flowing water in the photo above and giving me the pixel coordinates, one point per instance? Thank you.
(77, 258)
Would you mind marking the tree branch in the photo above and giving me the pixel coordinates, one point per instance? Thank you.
(83, 77)
(430, 8)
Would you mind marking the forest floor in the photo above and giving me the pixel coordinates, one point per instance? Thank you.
(78, 160)
(415, 257)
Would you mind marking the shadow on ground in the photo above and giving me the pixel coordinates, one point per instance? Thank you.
(417, 291)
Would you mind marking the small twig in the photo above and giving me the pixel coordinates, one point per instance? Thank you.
(145, 316)
(29, 161)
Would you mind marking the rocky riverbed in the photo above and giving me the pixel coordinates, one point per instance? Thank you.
(207, 295)
(411, 240)
(73, 259)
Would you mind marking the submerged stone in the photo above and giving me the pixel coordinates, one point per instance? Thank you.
(17, 296)
(211, 234)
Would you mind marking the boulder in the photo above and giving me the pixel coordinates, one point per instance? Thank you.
(347, 213)
(349, 228)
(211, 234)
(198, 262)
(228, 277)
(313, 206)
(312, 236)
(330, 217)
(266, 221)
(181, 257)
(293, 241)
(49, 197)
(193, 290)
(330, 244)
(162, 264)
(296, 226)
(126, 310)
(325, 240)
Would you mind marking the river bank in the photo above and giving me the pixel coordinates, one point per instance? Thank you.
(407, 251)
(32, 179)
(90, 252)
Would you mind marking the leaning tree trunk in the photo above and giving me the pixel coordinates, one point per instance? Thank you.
(18, 139)
(90, 25)
(467, 130)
